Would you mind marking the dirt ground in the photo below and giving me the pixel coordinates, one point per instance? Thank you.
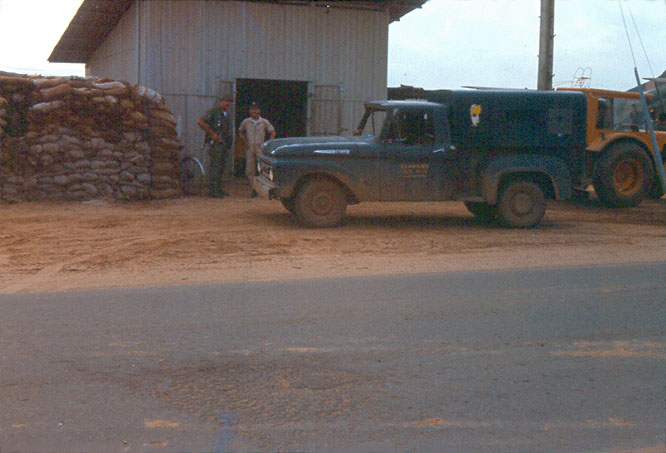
(109, 244)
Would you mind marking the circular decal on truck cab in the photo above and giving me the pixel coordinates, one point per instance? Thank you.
(475, 114)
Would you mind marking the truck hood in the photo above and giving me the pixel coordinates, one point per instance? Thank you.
(299, 146)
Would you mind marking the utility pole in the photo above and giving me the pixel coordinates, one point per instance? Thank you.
(546, 36)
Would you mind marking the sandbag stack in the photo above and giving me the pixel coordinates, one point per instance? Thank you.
(79, 139)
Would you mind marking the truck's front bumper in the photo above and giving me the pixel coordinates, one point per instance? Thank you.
(263, 187)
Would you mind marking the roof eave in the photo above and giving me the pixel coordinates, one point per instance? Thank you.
(95, 19)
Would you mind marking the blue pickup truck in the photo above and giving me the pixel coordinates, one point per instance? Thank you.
(502, 153)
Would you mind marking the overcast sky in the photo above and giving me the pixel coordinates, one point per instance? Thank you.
(452, 43)
(445, 44)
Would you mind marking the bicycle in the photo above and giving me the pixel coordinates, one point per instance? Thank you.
(192, 176)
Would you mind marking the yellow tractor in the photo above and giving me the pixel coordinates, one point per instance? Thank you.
(621, 163)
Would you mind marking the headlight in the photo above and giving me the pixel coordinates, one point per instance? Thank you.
(270, 174)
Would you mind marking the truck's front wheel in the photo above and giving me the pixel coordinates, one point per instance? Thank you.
(623, 176)
(320, 203)
(521, 204)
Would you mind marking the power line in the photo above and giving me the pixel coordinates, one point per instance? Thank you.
(640, 39)
(626, 30)
(647, 59)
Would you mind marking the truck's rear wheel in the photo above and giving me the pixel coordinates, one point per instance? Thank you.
(623, 176)
(320, 203)
(482, 211)
(521, 204)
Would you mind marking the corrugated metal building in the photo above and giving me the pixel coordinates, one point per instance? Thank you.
(310, 64)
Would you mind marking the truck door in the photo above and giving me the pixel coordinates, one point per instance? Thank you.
(414, 161)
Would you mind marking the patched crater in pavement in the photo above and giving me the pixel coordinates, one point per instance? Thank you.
(255, 391)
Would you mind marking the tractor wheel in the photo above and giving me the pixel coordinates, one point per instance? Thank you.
(320, 203)
(521, 204)
(623, 176)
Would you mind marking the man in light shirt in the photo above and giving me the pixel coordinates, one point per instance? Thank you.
(253, 132)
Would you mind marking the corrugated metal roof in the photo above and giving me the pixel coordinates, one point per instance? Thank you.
(96, 18)
(88, 29)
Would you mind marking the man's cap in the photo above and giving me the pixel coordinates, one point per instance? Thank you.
(254, 105)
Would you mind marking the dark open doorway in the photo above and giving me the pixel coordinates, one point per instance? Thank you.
(282, 102)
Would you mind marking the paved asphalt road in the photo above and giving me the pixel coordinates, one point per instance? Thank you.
(527, 360)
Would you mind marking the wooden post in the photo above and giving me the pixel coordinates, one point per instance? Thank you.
(546, 36)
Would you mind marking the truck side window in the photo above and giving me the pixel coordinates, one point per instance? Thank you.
(412, 128)
(427, 130)
(605, 114)
(394, 132)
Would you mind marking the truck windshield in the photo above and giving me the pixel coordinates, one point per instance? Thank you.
(372, 123)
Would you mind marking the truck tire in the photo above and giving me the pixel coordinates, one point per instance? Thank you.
(483, 211)
(521, 204)
(320, 203)
(623, 176)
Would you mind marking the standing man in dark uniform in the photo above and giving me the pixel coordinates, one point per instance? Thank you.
(219, 136)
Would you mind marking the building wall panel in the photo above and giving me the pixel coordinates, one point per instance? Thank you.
(187, 48)
(117, 56)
